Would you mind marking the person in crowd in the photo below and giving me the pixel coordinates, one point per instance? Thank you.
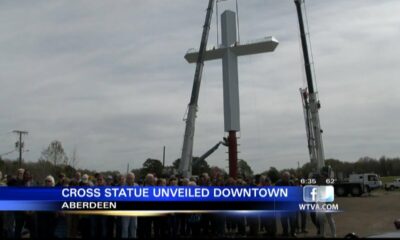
(48, 224)
(204, 180)
(268, 221)
(173, 181)
(241, 220)
(62, 226)
(85, 181)
(161, 222)
(76, 180)
(73, 219)
(144, 227)
(193, 179)
(194, 220)
(2, 181)
(47, 220)
(110, 220)
(2, 214)
(20, 178)
(326, 173)
(149, 180)
(119, 181)
(287, 219)
(129, 224)
(99, 222)
(253, 220)
(231, 220)
(61, 177)
(28, 179)
(218, 219)
(301, 216)
(85, 223)
(109, 180)
(172, 219)
(23, 218)
(184, 182)
(9, 218)
(182, 217)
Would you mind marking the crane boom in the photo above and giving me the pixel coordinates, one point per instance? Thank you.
(185, 167)
(311, 103)
(211, 151)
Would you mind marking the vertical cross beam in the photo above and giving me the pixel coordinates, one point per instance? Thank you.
(231, 88)
(229, 51)
(230, 73)
(233, 153)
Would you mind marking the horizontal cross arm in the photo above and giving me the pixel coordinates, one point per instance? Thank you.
(210, 54)
(267, 44)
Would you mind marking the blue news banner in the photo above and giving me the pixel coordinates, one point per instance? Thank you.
(151, 198)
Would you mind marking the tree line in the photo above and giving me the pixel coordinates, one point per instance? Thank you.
(54, 161)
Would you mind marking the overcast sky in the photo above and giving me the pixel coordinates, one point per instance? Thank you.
(109, 78)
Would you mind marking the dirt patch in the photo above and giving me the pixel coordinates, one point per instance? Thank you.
(368, 215)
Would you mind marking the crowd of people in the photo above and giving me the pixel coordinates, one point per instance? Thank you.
(186, 225)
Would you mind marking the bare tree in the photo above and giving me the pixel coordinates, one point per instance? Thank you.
(55, 153)
(74, 158)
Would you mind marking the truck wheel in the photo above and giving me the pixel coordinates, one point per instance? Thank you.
(341, 191)
(356, 191)
(391, 188)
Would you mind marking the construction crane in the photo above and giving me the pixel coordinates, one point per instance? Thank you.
(185, 166)
(311, 104)
(213, 149)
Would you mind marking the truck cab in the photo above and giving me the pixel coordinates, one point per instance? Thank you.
(393, 185)
(369, 180)
(357, 184)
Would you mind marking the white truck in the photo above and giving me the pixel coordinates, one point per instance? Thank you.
(357, 184)
(393, 185)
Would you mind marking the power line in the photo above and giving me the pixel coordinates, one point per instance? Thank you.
(4, 154)
(6, 133)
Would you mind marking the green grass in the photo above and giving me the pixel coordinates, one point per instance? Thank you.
(388, 179)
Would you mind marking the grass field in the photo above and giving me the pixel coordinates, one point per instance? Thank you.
(388, 179)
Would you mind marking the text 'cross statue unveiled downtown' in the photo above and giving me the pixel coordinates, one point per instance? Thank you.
(229, 50)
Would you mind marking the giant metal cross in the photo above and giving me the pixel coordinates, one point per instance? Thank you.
(229, 51)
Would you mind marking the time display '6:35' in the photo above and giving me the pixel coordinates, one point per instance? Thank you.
(308, 181)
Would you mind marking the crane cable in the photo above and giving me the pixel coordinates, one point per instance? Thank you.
(216, 19)
(238, 41)
(237, 20)
(311, 51)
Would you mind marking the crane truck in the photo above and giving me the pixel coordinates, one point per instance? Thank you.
(185, 166)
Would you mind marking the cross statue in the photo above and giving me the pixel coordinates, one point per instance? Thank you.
(229, 50)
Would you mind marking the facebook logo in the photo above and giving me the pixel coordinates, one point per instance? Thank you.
(318, 194)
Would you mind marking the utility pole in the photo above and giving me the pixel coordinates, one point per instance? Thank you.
(20, 144)
(163, 157)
